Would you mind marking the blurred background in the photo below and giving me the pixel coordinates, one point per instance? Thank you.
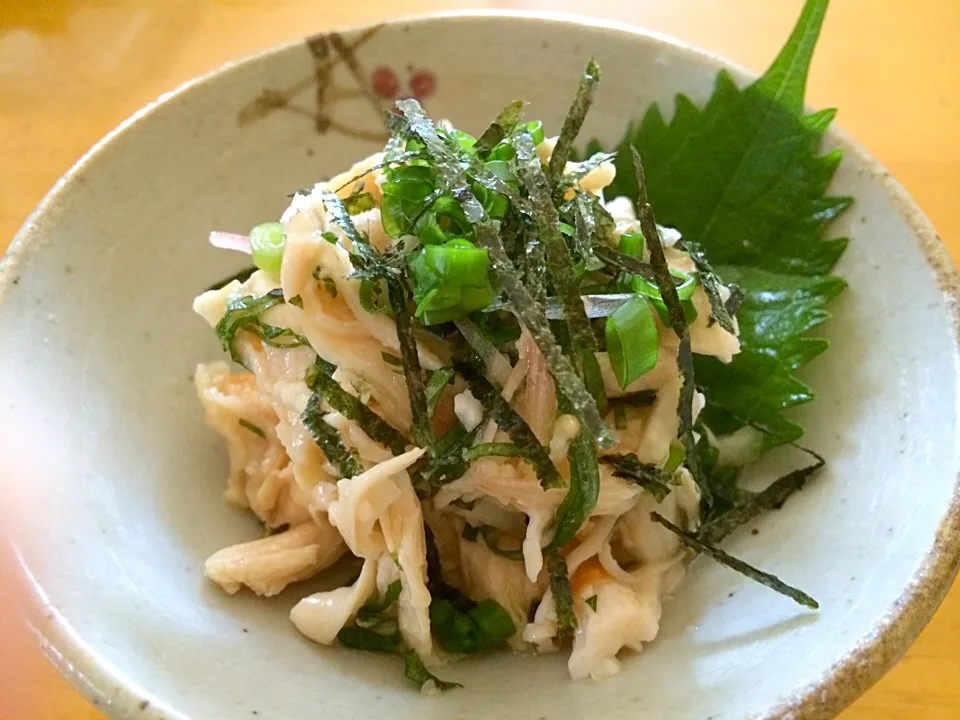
(70, 70)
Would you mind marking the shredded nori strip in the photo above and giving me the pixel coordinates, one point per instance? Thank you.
(574, 120)
(678, 322)
(398, 158)
(598, 305)
(711, 285)
(562, 594)
(641, 398)
(626, 263)
(535, 266)
(511, 423)
(328, 438)
(532, 317)
(735, 300)
(560, 267)
(413, 374)
(352, 408)
(656, 481)
(241, 276)
(764, 578)
(524, 305)
(448, 165)
(586, 167)
(586, 227)
(506, 121)
(584, 489)
(754, 504)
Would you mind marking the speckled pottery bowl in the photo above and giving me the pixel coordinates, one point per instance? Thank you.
(104, 449)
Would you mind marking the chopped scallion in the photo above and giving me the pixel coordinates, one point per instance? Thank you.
(266, 246)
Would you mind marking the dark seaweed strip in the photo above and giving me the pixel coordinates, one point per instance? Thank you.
(624, 262)
(764, 578)
(532, 317)
(574, 120)
(535, 266)
(596, 306)
(511, 423)
(668, 291)
(772, 498)
(586, 167)
(506, 121)
(447, 163)
(560, 267)
(654, 480)
(328, 439)
(735, 300)
(562, 594)
(523, 303)
(352, 408)
(584, 490)
(711, 285)
(413, 373)
(586, 236)
(241, 276)
(397, 159)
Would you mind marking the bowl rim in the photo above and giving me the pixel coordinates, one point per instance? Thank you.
(107, 687)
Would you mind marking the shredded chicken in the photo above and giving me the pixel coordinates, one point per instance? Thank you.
(266, 566)
(622, 565)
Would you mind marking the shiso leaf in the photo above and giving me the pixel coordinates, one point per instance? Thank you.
(511, 423)
(744, 179)
(398, 292)
(328, 438)
(656, 481)
(562, 594)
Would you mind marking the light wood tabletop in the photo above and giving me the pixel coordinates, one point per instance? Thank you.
(70, 70)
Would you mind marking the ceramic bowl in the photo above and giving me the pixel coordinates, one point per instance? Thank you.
(105, 448)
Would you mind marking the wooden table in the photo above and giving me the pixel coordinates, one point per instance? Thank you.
(70, 70)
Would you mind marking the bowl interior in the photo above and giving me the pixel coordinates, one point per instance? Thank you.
(102, 431)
